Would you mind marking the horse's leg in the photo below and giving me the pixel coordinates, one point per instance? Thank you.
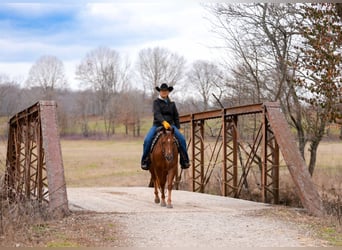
(155, 184)
(156, 195)
(162, 190)
(170, 178)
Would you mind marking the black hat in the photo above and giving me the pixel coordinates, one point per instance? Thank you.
(164, 86)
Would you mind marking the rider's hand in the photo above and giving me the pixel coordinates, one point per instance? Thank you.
(166, 125)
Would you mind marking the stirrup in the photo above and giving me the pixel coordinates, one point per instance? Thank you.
(145, 167)
(145, 164)
(185, 165)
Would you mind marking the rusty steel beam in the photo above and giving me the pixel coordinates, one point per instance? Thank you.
(230, 164)
(240, 110)
(33, 172)
(197, 135)
(58, 202)
(307, 191)
(270, 164)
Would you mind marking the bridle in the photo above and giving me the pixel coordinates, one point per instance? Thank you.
(168, 156)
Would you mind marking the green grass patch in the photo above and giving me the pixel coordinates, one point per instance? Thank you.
(39, 228)
(90, 166)
(332, 235)
(62, 244)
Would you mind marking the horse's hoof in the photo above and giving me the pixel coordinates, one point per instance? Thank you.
(163, 204)
(169, 206)
(156, 200)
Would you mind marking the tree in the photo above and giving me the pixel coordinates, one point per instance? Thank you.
(205, 78)
(9, 96)
(318, 68)
(47, 73)
(105, 72)
(339, 9)
(158, 65)
(263, 38)
(131, 110)
(259, 38)
(84, 108)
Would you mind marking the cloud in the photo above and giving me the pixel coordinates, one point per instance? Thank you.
(69, 30)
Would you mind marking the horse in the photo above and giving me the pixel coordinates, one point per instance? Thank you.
(164, 165)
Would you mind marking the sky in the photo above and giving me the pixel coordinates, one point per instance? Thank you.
(71, 29)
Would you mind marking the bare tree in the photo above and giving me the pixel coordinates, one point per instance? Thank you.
(131, 111)
(9, 96)
(339, 9)
(263, 38)
(47, 73)
(105, 72)
(206, 79)
(158, 65)
(84, 108)
(259, 38)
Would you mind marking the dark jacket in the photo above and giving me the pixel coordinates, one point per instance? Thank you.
(165, 111)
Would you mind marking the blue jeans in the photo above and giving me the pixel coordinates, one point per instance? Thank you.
(184, 158)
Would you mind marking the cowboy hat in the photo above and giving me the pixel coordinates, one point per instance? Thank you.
(164, 86)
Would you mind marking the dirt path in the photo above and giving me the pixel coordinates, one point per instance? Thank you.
(197, 220)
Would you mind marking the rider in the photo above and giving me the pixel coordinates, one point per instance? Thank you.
(164, 114)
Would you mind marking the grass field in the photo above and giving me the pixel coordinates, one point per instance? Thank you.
(103, 163)
(117, 163)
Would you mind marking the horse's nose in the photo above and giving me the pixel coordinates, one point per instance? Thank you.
(169, 157)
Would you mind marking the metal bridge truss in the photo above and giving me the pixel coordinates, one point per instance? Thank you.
(236, 157)
(26, 176)
(34, 168)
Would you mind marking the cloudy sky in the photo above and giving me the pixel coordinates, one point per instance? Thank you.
(71, 29)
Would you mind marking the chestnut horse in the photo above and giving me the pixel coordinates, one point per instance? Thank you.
(164, 165)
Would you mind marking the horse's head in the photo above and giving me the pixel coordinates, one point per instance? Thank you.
(168, 144)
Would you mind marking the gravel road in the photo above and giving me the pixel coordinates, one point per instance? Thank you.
(197, 220)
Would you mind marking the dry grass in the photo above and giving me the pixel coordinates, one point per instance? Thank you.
(105, 163)
(328, 172)
(117, 163)
(330, 154)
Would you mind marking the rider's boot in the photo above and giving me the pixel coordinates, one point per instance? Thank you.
(184, 161)
(145, 164)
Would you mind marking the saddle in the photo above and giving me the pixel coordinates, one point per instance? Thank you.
(159, 132)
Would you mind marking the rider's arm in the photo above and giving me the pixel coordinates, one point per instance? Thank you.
(158, 117)
(176, 116)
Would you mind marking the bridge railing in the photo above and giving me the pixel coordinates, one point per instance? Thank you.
(34, 166)
(238, 157)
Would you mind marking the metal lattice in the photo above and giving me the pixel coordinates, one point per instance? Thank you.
(34, 167)
(240, 155)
